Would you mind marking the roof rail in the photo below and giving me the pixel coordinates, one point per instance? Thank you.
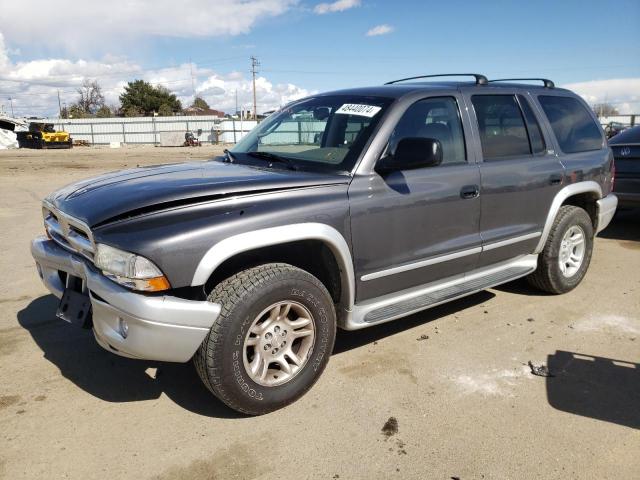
(547, 83)
(480, 79)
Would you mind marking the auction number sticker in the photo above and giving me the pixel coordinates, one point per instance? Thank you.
(358, 109)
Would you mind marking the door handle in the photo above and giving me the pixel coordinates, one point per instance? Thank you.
(470, 191)
(555, 179)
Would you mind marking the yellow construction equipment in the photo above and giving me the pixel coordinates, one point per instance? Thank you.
(43, 135)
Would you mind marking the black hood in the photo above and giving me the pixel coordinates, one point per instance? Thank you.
(113, 195)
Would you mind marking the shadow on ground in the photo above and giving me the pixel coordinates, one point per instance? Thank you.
(110, 377)
(624, 226)
(116, 379)
(595, 387)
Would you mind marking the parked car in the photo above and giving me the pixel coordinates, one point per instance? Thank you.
(626, 151)
(345, 209)
(614, 128)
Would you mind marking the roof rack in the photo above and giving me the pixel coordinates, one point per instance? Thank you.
(547, 83)
(480, 79)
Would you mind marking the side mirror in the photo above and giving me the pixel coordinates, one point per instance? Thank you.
(321, 113)
(411, 153)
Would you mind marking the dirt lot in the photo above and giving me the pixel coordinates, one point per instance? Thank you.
(454, 378)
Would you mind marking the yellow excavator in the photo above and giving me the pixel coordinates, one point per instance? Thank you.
(43, 135)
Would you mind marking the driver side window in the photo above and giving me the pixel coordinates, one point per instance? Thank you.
(436, 118)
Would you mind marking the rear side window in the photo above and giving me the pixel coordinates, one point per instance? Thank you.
(535, 134)
(502, 129)
(574, 128)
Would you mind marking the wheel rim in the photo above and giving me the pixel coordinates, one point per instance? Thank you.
(572, 250)
(279, 343)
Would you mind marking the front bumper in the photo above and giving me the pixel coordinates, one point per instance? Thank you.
(606, 210)
(164, 328)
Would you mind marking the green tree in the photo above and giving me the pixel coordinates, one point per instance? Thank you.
(147, 98)
(132, 111)
(104, 112)
(200, 102)
(76, 111)
(165, 110)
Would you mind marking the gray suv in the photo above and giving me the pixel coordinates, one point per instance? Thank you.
(345, 209)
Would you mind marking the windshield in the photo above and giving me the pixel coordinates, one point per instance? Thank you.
(327, 133)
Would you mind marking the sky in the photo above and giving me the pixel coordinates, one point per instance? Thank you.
(203, 47)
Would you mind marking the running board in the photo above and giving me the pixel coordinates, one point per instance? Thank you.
(401, 304)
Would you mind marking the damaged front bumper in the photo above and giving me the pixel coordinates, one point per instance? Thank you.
(163, 328)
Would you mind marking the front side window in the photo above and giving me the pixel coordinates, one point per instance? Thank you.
(502, 128)
(574, 128)
(322, 133)
(436, 118)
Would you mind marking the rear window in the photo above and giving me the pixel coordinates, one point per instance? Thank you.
(535, 134)
(503, 132)
(573, 126)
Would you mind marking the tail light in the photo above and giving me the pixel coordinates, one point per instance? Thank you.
(613, 173)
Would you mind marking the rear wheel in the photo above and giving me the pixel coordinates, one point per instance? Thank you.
(566, 256)
(271, 341)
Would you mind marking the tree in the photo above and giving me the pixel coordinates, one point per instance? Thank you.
(76, 111)
(90, 97)
(132, 111)
(104, 112)
(147, 98)
(165, 110)
(605, 109)
(200, 102)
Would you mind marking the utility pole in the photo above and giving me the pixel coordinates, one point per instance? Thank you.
(193, 85)
(236, 110)
(254, 64)
(59, 105)
(11, 102)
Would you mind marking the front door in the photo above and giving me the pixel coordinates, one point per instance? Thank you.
(412, 227)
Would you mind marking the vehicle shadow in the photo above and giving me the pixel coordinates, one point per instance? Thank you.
(624, 226)
(595, 387)
(109, 377)
(117, 379)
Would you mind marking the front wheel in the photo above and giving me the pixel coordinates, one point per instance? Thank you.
(566, 256)
(272, 340)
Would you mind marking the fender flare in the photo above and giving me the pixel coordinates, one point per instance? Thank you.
(588, 186)
(243, 242)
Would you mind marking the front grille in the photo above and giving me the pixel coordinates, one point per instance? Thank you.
(68, 232)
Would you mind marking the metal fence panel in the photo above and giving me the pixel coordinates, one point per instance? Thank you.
(146, 130)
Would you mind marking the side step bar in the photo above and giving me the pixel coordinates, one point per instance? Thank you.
(401, 304)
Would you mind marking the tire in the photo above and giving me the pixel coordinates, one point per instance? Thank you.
(549, 275)
(224, 360)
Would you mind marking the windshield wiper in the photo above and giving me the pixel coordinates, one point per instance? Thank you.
(272, 157)
(228, 156)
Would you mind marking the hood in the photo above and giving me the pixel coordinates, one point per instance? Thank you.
(100, 199)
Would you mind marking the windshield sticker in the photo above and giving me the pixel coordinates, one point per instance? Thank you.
(357, 109)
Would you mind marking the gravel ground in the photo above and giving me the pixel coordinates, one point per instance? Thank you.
(442, 394)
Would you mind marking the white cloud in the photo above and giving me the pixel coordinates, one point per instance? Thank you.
(337, 6)
(622, 93)
(380, 30)
(82, 25)
(34, 85)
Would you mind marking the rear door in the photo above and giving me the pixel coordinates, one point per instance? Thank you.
(520, 173)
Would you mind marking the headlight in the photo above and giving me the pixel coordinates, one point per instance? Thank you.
(129, 269)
